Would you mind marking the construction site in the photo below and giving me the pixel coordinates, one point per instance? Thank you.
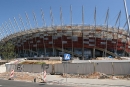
(73, 51)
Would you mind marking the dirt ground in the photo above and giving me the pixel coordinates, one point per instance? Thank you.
(22, 76)
(29, 77)
(96, 75)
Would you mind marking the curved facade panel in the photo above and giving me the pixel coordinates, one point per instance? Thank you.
(84, 42)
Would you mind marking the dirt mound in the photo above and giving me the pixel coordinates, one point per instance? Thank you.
(40, 62)
(96, 75)
(22, 76)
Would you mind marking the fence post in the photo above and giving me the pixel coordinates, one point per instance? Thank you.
(112, 68)
(94, 67)
(78, 68)
(23, 70)
(53, 69)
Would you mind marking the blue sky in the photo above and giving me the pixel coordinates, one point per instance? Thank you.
(12, 8)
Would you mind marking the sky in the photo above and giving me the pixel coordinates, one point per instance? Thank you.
(17, 8)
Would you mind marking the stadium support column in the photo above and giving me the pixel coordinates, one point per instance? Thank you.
(52, 23)
(128, 21)
(23, 39)
(82, 33)
(28, 24)
(36, 24)
(2, 36)
(21, 35)
(17, 24)
(35, 20)
(61, 20)
(28, 21)
(7, 34)
(117, 31)
(20, 18)
(106, 20)
(125, 44)
(7, 27)
(94, 33)
(7, 37)
(42, 14)
(71, 30)
(10, 23)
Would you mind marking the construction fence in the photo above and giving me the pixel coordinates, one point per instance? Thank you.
(110, 68)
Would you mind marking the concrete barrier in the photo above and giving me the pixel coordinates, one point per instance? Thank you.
(110, 68)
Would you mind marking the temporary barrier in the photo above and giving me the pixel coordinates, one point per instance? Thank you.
(109, 68)
(44, 76)
(11, 75)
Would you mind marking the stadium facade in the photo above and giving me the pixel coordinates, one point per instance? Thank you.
(80, 41)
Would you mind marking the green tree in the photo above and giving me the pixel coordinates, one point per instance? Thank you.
(7, 50)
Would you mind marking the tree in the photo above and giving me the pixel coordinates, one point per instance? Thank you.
(7, 50)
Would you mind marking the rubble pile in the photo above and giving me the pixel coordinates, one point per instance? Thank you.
(127, 76)
(22, 76)
(73, 76)
(96, 75)
(4, 75)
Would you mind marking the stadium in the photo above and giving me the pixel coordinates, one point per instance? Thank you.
(81, 40)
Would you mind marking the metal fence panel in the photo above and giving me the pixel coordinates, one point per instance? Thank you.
(74, 68)
(71, 68)
(121, 68)
(10, 67)
(36, 68)
(85, 68)
(104, 68)
(116, 68)
(49, 70)
(59, 68)
(28, 68)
